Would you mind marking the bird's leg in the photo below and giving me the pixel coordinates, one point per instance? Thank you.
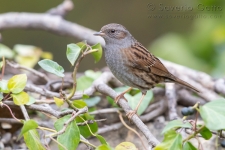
(122, 95)
(131, 113)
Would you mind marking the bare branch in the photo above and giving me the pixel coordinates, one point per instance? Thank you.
(62, 9)
(90, 122)
(187, 99)
(44, 108)
(112, 127)
(45, 92)
(172, 101)
(40, 123)
(220, 86)
(47, 22)
(74, 115)
(200, 80)
(37, 73)
(24, 111)
(105, 111)
(160, 109)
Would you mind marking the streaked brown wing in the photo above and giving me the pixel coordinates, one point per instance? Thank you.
(143, 59)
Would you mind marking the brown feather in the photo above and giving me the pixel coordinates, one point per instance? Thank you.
(142, 59)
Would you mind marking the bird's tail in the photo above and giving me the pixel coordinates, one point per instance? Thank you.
(177, 80)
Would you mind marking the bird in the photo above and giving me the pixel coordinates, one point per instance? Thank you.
(132, 64)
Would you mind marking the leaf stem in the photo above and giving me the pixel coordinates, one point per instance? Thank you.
(3, 68)
(124, 123)
(47, 129)
(194, 134)
(74, 76)
(11, 112)
(86, 52)
(87, 143)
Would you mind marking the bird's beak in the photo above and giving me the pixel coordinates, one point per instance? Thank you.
(100, 33)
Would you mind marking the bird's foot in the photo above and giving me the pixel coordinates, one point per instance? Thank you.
(131, 114)
(119, 97)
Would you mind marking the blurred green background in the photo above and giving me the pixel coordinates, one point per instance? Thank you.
(196, 39)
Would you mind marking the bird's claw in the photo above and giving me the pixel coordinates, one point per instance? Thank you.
(131, 114)
(119, 97)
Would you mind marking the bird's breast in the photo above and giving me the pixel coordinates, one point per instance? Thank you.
(117, 64)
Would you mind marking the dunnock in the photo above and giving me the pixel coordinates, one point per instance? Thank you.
(132, 63)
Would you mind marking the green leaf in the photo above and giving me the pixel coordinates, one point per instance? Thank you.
(92, 74)
(79, 103)
(82, 45)
(28, 125)
(133, 101)
(103, 147)
(72, 53)
(85, 96)
(52, 67)
(176, 124)
(206, 133)
(32, 140)
(71, 137)
(84, 83)
(213, 114)
(20, 98)
(92, 101)
(59, 102)
(17, 83)
(84, 129)
(188, 146)
(101, 139)
(27, 55)
(97, 55)
(171, 141)
(6, 52)
(126, 146)
(31, 100)
(4, 86)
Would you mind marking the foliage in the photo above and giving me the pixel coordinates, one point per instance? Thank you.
(68, 129)
(212, 114)
(14, 87)
(26, 55)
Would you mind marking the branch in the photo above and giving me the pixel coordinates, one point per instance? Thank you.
(112, 127)
(101, 87)
(160, 108)
(24, 111)
(40, 123)
(198, 79)
(35, 72)
(187, 99)
(172, 101)
(74, 115)
(62, 9)
(43, 108)
(47, 22)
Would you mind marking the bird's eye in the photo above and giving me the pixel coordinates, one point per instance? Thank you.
(113, 31)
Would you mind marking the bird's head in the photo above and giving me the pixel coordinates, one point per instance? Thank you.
(114, 34)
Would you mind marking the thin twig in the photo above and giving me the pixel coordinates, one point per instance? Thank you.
(62, 9)
(105, 111)
(74, 115)
(124, 123)
(37, 73)
(90, 122)
(3, 68)
(24, 111)
(2, 104)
